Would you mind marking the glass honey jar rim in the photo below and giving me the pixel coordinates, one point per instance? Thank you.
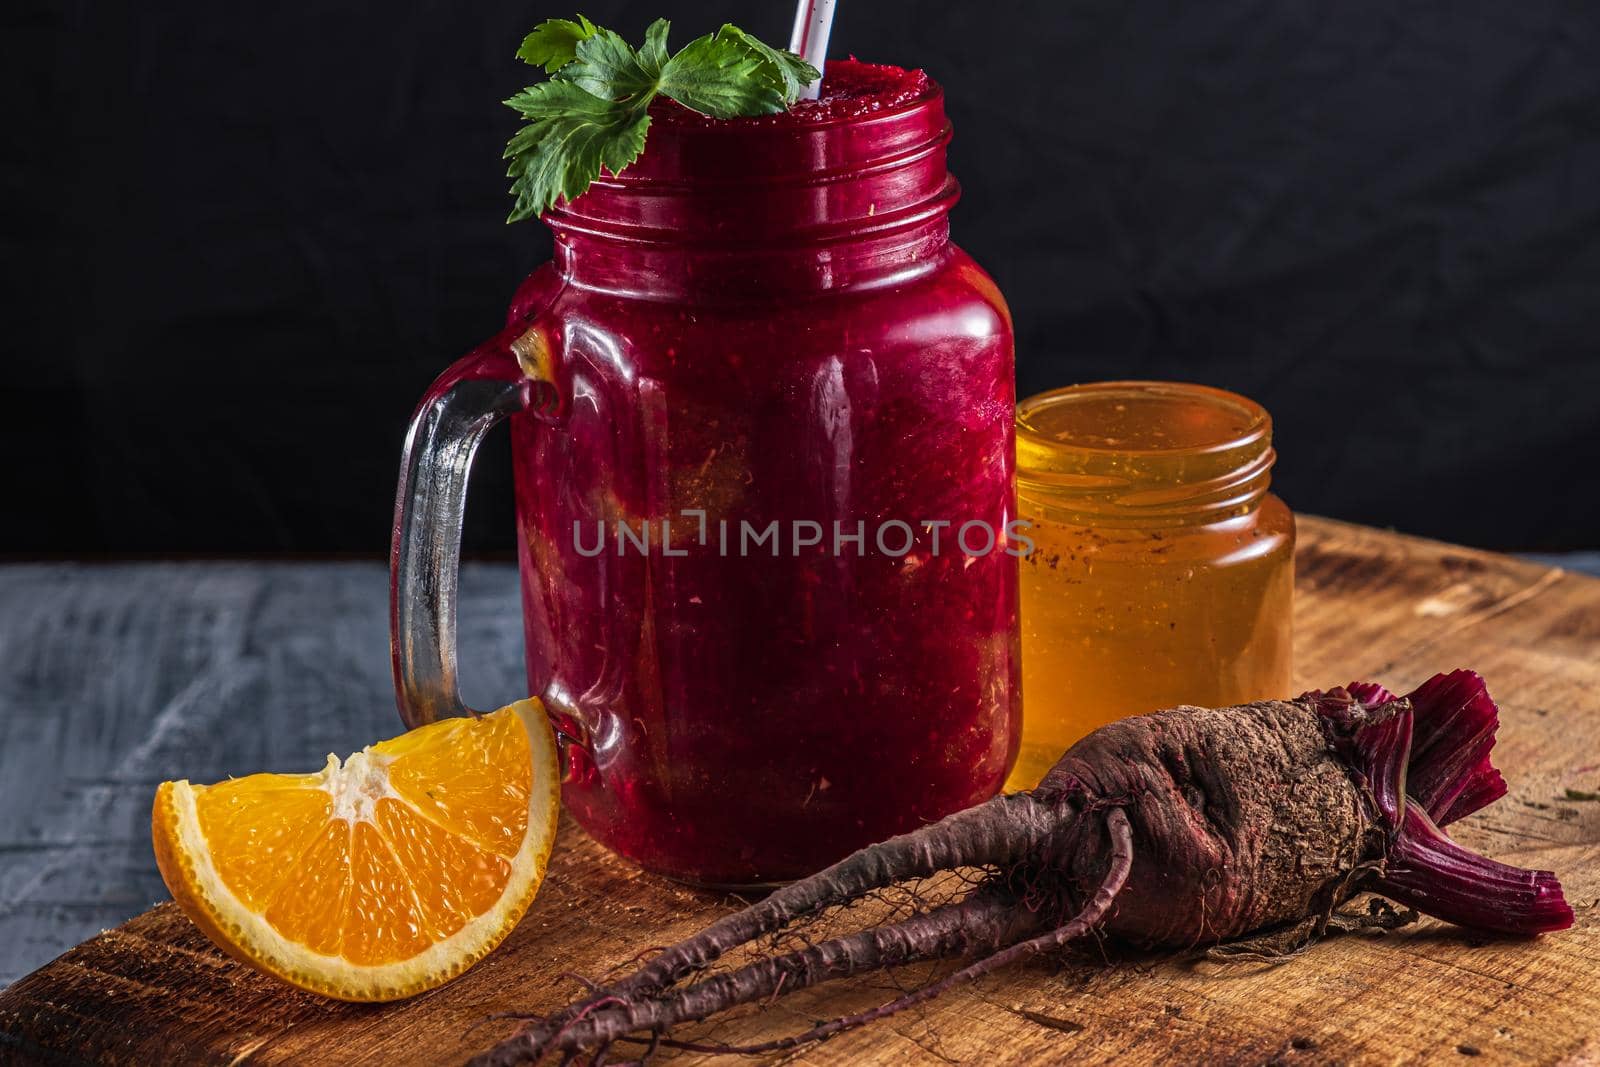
(1141, 453)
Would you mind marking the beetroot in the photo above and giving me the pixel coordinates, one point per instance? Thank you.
(1183, 828)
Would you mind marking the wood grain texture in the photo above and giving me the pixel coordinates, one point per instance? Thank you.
(1370, 604)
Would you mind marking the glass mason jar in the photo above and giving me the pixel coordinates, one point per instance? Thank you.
(1161, 570)
(753, 399)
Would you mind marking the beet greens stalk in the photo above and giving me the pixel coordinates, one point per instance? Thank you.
(1183, 828)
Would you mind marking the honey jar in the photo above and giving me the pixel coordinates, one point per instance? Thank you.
(1160, 570)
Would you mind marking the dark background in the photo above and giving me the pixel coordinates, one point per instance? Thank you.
(240, 240)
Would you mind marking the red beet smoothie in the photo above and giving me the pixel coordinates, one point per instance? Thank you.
(764, 319)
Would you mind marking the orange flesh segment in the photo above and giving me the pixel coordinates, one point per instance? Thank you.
(310, 908)
(468, 793)
(383, 920)
(259, 834)
(477, 876)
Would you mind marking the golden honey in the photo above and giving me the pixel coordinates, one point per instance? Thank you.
(1161, 570)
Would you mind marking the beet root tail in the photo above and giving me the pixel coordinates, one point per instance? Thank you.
(1121, 863)
(981, 920)
(986, 919)
(1002, 832)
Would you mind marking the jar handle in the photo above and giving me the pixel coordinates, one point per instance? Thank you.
(505, 375)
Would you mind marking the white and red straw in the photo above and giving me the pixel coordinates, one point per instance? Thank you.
(813, 21)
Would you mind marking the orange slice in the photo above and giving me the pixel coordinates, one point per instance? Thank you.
(378, 877)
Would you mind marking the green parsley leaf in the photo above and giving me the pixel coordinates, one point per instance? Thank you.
(554, 42)
(608, 68)
(593, 113)
(722, 78)
(573, 134)
(793, 73)
(554, 100)
(653, 56)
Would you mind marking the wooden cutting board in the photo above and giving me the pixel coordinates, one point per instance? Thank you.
(1371, 605)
